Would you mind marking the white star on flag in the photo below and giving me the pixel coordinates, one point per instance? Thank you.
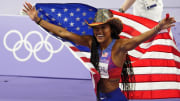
(71, 14)
(65, 19)
(53, 19)
(84, 13)
(78, 9)
(77, 19)
(65, 10)
(71, 24)
(40, 9)
(53, 10)
(77, 28)
(47, 14)
(59, 14)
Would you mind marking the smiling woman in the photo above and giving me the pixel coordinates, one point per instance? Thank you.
(108, 51)
(102, 34)
(106, 33)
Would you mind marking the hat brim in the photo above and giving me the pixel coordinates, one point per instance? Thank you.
(100, 23)
(95, 24)
(116, 23)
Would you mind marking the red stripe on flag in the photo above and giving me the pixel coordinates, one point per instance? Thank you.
(156, 63)
(144, 21)
(156, 78)
(156, 94)
(85, 59)
(130, 30)
(133, 58)
(123, 37)
(75, 49)
(164, 35)
(159, 48)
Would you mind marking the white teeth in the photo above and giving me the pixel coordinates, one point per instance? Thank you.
(100, 35)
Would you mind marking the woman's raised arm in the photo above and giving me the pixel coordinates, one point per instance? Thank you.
(129, 44)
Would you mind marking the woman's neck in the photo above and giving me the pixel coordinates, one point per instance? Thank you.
(105, 44)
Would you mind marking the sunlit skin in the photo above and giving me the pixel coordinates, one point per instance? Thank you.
(103, 35)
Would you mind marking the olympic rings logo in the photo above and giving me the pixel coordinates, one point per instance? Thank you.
(28, 46)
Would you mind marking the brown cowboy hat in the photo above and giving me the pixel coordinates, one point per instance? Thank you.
(104, 16)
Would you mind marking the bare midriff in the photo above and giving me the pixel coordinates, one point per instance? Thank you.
(109, 85)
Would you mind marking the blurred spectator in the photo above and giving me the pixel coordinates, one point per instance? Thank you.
(151, 9)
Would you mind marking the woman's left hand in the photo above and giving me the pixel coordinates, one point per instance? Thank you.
(167, 23)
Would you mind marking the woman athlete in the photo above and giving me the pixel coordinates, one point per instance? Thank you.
(108, 51)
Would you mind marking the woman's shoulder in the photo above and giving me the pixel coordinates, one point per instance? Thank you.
(119, 44)
(120, 41)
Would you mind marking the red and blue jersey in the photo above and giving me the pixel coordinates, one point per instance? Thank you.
(106, 66)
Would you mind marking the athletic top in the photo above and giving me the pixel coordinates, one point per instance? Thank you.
(106, 66)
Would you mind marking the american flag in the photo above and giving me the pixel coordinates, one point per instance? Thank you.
(156, 62)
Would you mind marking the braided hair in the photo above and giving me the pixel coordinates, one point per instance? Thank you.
(127, 72)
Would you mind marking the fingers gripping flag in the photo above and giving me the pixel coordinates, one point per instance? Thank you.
(156, 62)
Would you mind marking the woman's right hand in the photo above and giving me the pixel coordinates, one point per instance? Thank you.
(31, 11)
